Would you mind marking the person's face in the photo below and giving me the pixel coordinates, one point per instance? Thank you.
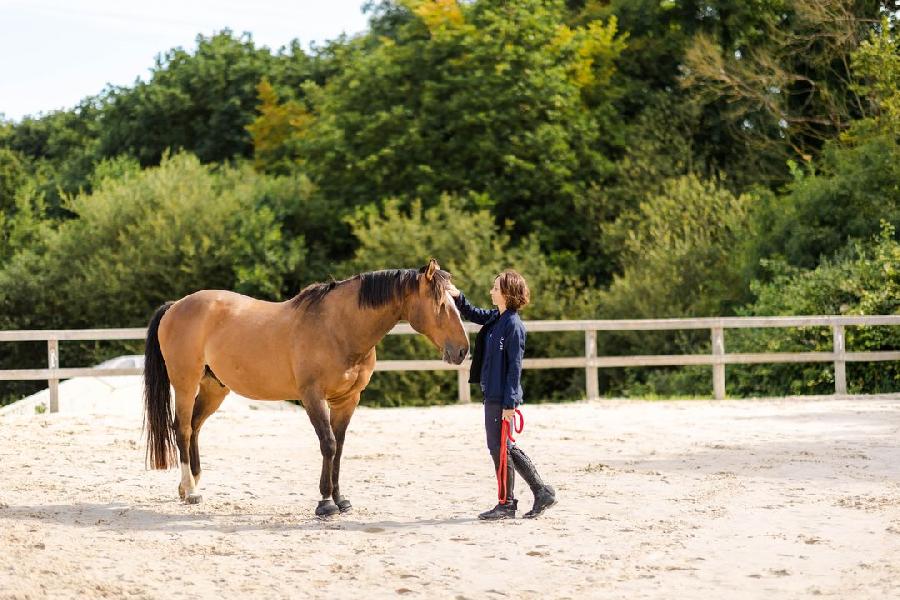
(496, 294)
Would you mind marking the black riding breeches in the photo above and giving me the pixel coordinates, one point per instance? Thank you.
(493, 419)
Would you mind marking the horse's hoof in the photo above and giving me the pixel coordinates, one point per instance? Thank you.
(193, 499)
(327, 508)
(180, 491)
(343, 504)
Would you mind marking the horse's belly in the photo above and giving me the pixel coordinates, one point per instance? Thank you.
(263, 392)
(255, 378)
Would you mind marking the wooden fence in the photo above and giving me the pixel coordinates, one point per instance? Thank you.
(590, 361)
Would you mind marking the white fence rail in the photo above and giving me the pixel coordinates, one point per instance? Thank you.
(591, 361)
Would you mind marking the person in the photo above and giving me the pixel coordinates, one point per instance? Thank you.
(497, 367)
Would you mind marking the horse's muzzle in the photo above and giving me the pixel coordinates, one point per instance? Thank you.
(455, 355)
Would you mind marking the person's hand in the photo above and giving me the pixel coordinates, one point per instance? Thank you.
(453, 291)
(509, 413)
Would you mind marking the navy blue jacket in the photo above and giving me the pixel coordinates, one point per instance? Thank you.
(499, 350)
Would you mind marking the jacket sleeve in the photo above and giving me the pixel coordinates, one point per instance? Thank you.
(515, 352)
(471, 313)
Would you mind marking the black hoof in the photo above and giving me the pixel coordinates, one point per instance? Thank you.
(327, 508)
(193, 499)
(343, 504)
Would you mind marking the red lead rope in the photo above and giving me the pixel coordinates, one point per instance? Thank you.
(506, 435)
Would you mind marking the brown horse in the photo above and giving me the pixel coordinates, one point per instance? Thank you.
(318, 348)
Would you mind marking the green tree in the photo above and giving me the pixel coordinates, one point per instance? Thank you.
(143, 237)
(24, 222)
(199, 101)
(59, 148)
(876, 67)
(14, 172)
(787, 89)
(853, 186)
(501, 99)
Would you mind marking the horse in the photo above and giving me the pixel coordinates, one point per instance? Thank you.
(318, 348)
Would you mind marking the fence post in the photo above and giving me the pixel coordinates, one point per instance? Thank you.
(718, 350)
(592, 382)
(53, 363)
(462, 382)
(840, 365)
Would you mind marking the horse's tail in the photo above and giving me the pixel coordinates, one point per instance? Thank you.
(157, 399)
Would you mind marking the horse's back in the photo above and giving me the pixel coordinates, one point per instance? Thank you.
(240, 338)
(200, 311)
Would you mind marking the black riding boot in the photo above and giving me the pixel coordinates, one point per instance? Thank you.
(507, 510)
(544, 495)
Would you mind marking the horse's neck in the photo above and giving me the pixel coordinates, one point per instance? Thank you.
(369, 325)
(382, 321)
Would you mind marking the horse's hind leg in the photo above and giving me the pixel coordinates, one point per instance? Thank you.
(184, 411)
(208, 401)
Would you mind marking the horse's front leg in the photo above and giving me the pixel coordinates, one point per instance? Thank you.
(319, 416)
(340, 419)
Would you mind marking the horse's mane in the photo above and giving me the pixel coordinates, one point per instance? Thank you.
(377, 288)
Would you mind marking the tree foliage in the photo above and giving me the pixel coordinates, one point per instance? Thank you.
(678, 253)
(853, 187)
(863, 280)
(501, 99)
(201, 102)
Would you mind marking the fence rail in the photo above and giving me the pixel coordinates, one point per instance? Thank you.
(591, 361)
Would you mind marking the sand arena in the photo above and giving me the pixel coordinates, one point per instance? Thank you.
(690, 499)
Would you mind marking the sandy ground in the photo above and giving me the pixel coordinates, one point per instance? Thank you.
(737, 499)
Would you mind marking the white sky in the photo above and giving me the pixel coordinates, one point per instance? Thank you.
(53, 53)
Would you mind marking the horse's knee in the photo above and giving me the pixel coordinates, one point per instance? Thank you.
(328, 445)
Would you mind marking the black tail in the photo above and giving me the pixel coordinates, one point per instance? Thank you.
(157, 399)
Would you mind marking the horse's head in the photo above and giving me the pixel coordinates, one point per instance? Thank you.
(432, 312)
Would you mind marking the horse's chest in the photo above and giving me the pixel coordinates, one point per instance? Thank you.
(351, 375)
(351, 379)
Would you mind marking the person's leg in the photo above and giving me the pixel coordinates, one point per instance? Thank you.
(544, 495)
(492, 423)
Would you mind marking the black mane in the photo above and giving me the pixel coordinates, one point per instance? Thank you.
(376, 288)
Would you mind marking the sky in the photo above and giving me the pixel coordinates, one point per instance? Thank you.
(53, 53)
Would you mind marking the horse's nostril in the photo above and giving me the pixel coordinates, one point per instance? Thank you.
(462, 354)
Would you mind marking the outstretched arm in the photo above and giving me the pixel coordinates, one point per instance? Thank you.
(469, 312)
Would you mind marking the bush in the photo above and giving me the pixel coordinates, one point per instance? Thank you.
(678, 260)
(863, 280)
(144, 237)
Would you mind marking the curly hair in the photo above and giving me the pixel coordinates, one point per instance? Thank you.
(514, 289)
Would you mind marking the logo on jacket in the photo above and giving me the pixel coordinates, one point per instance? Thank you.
(501, 343)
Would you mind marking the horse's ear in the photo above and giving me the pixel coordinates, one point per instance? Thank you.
(431, 268)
